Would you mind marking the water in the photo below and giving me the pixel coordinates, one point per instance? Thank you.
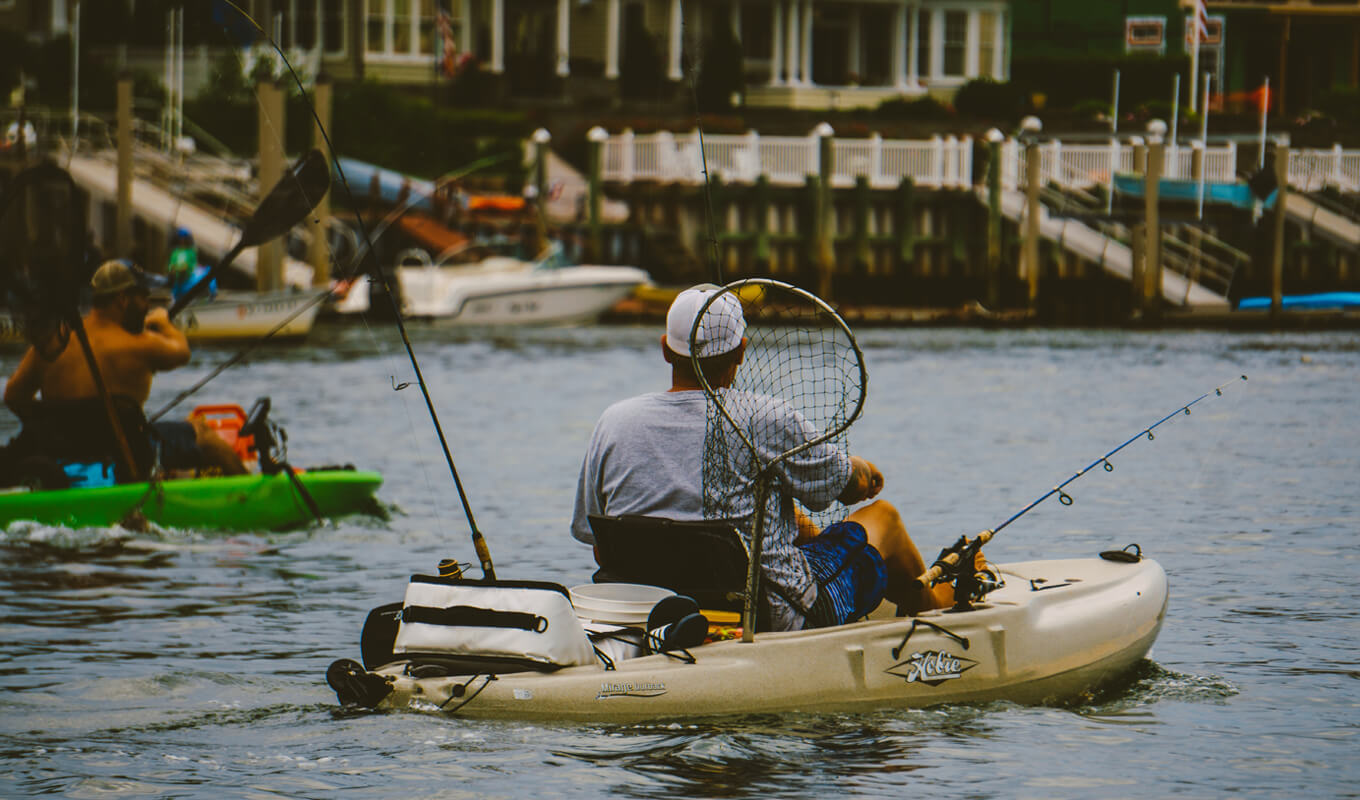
(179, 664)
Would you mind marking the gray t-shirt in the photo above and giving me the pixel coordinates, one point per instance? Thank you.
(646, 457)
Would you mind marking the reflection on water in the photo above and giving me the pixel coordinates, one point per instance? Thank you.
(181, 663)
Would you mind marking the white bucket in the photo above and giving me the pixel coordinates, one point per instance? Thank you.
(616, 603)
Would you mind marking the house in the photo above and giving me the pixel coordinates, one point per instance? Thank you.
(793, 53)
(1304, 47)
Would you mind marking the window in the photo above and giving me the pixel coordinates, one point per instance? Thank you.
(333, 25)
(400, 28)
(1145, 34)
(987, 59)
(955, 43)
(1213, 32)
(923, 20)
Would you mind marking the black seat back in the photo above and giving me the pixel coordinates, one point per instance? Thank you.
(79, 430)
(706, 560)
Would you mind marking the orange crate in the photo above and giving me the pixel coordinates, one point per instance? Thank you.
(226, 420)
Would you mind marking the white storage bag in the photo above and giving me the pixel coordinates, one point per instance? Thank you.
(527, 621)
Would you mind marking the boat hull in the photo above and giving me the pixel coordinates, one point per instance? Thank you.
(1057, 630)
(250, 315)
(531, 297)
(244, 502)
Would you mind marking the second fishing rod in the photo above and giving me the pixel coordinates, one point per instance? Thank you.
(953, 563)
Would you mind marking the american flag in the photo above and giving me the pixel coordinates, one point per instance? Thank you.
(448, 51)
(1201, 22)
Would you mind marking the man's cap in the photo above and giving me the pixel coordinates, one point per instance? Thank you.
(721, 329)
(117, 276)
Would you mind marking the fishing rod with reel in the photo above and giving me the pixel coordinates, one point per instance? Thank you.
(956, 563)
(478, 540)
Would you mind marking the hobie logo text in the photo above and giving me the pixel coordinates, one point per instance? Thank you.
(932, 667)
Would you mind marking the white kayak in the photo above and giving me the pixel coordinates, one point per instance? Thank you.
(1054, 631)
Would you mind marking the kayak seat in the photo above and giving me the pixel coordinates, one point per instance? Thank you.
(79, 430)
(706, 559)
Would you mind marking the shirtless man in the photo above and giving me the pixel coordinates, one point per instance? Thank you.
(131, 341)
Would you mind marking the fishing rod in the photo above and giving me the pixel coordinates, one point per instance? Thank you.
(713, 254)
(478, 540)
(949, 560)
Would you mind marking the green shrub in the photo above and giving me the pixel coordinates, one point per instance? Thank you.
(987, 99)
(922, 108)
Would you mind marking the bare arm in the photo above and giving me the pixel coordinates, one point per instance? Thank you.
(166, 346)
(865, 482)
(22, 389)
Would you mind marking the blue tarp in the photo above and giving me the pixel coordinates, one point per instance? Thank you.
(1325, 300)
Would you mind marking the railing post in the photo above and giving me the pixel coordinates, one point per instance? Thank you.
(319, 251)
(700, 162)
(627, 156)
(965, 176)
(596, 137)
(269, 256)
(1033, 177)
(936, 161)
(826, 168)
(1277, 238)
(994, 138)
(122, 228)
(666, 155)
(753, 164)
(1151, 291)
(1055, 171)
(1336, 176)
(877, 178)
(951, 162)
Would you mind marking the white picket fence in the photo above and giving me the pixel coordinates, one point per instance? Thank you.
(939, 162)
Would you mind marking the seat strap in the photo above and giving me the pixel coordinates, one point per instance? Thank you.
(471, 616)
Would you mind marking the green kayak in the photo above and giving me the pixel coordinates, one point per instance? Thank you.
(244, 502)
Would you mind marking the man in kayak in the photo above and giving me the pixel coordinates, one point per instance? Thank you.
(646, 458)
(131, 341)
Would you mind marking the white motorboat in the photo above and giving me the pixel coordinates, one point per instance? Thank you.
(1054, 631)
(249, 315)
(501, 290)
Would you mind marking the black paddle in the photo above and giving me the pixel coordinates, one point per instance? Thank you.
(287, 204)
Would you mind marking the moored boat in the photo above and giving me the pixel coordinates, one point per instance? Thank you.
(508, 291)
(250, 315)
(1054, 631)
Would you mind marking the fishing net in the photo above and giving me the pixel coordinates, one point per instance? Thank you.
(798, 388)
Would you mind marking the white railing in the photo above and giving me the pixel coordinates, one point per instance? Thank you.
(1083, 166)
(1312, 170)
(786, 160)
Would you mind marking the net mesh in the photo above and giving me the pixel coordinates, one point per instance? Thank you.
(800, 357)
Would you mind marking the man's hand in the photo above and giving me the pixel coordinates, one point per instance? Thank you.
(158, 320)
(865, 482)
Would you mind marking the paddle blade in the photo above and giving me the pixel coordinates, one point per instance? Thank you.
(290, 201)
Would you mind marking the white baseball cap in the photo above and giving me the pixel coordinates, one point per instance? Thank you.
(719, 332)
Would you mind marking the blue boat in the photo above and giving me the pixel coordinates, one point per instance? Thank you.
(1236, 193)
(1334, 301)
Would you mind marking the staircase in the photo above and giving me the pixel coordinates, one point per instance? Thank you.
(1197, 268)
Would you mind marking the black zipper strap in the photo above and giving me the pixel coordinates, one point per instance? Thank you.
(473, 617)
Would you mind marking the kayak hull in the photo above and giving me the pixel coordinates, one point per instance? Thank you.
(244, 502)
(1056, 631)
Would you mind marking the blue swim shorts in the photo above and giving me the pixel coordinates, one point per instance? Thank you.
(178, 443)
(851, 576)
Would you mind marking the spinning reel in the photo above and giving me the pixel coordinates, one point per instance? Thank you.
(970, 583)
